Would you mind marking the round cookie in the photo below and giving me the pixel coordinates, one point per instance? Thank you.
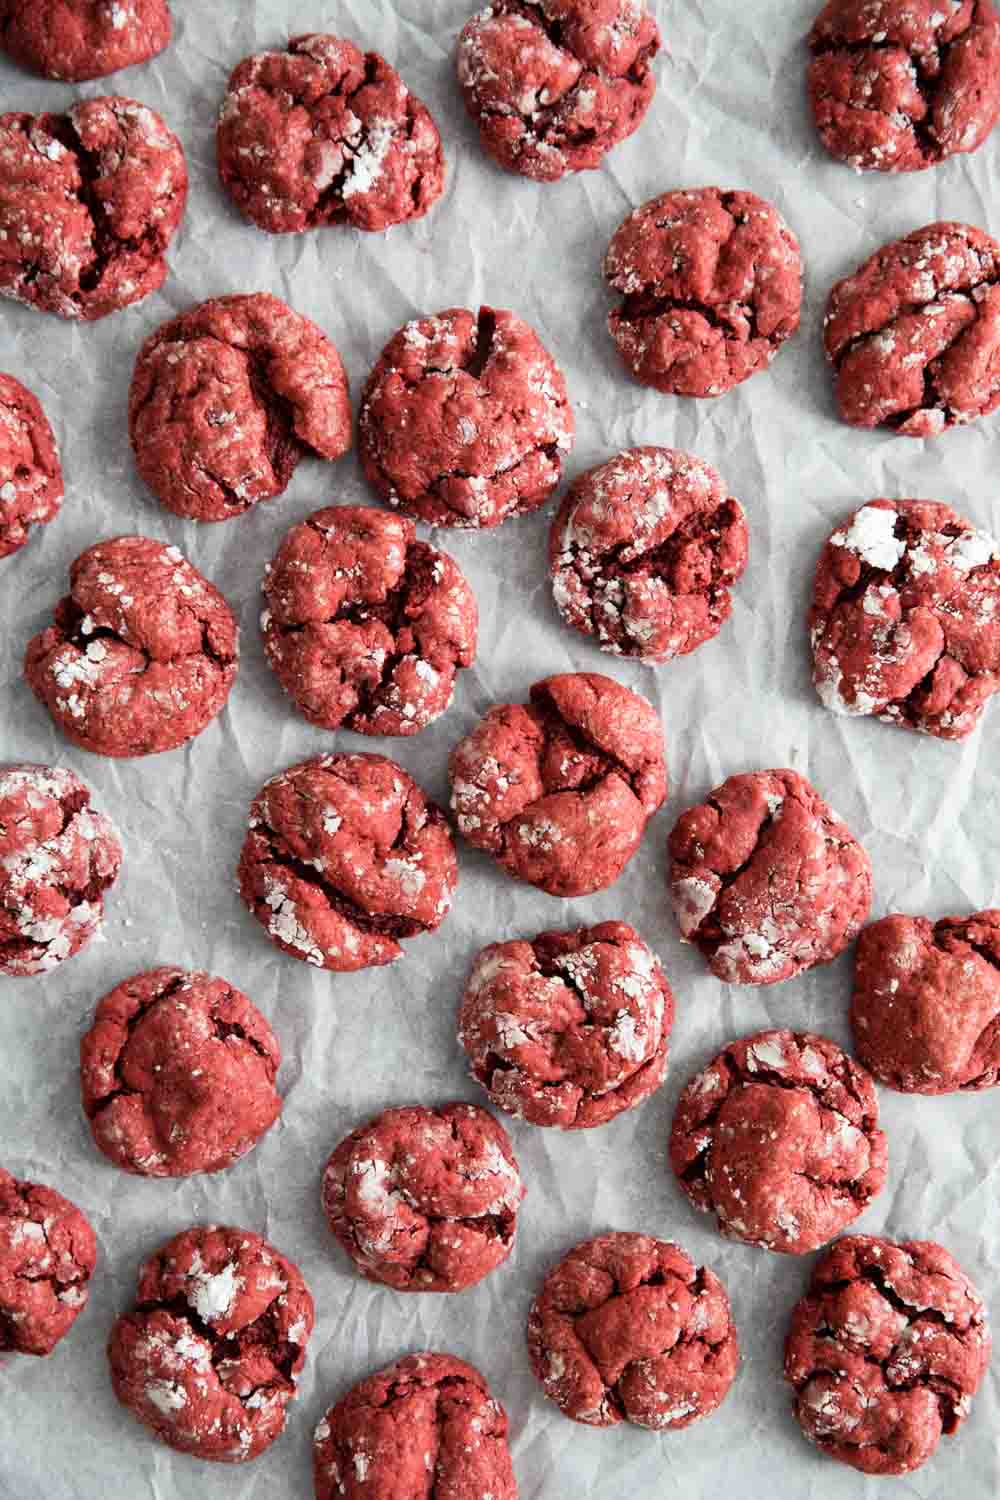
(208, 1357)
(914, 333)
(177, 1074)
(778, 1137)
(559, 790)
(141, 654)
(47, 1257)
(465, 419)
(321, 133)
(570, 1028)
(31, 482)
(926, 1006)
(74, 40)
(58, 857)
(227, 397)
(89, 202)
(365, 626)
(899, 85)
(711, 287)
(427, 1425)
(885, 1352)
(344, 857)
(425, 1200)
(766, 880)
(554, 86)
(643, 552)
(628, 1329)
(902, 620)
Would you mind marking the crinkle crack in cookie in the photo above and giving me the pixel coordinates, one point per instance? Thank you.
(885, 1351)
(322, 133)
(79, 39)
(366, 626)
(465, 419)
(570, 1028)
(47, 1257)
(89, 202)
(643, 553)
(58, 857)
(899, 85)
(31, 482)
(142, 653)
(905, 620)
(926, 1005)
(560, 790)
(208, 1357)
(779, 1138)
(177, 1074)
(344, 858)
(627, 1329)
(914, 333)
(711, 283)
(554, 85)
(425, 1200)
(426, 1426)
(766, 880)
(226, 399)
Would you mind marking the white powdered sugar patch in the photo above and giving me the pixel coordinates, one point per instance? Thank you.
(872, 536)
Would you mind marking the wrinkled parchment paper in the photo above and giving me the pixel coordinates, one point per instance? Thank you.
(730, 111)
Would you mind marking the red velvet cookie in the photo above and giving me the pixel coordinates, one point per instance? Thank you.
(885, 1351)
(208, 1357)
(226, 399)
(711, 283)
(79, 39)
(142, 652)
(554, 85)
(465, 419)
(627, 1329)
(899, 85)
(425, 1200)
(366, 626)
(914, 333)
(643, 552)
(766, 880)
(902, 620)
(31, 482)
(779, 1138)
(47, 1257)
(322, 133)
(344, 857)
(426, 1426)
(570, 1028)
(57, 859)
(560, 790)
(926, 1006)
(89, 202)
(177, 1074)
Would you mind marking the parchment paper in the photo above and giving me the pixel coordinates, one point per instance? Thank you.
(730, 111)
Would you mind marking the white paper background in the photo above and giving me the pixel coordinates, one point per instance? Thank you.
(730, 111)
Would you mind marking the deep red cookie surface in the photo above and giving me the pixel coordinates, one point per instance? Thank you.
(778, 1137)
(366, 626)
(47, 1257)
(627, 1328)
(885, 1352)
(78, 39)
(31, 482)
(465, 419)
(425, 1200)
(554, 85)
(227, 397)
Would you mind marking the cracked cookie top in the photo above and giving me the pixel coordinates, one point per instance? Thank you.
(322, 133)
(47, 1257)
(79, 39)
(885, 1352)
(628, 1329)
(778, 1137)
(465, 419)
(31, 482)
(425, 1200)
(366, 626)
